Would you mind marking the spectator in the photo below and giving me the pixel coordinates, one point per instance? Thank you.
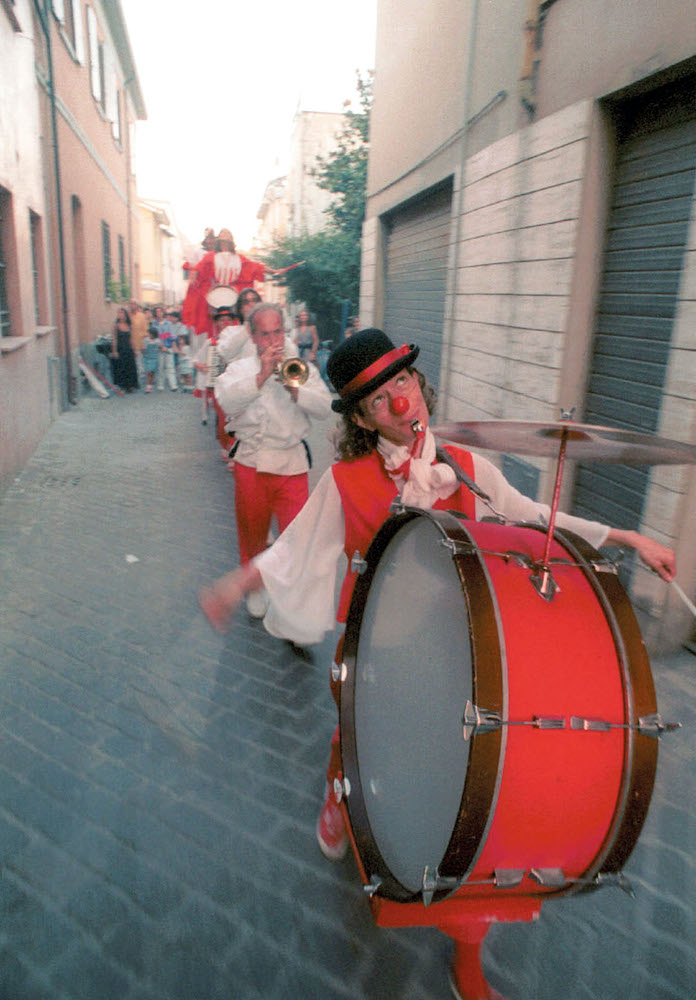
(151, 354)
(185, 367)
(306, 336)
(353, 326)
(139, 325)
(123, 370)
(167, 369)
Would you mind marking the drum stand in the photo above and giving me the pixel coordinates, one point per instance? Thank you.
(466, 921)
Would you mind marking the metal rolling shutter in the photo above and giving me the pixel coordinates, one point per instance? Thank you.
(648, 228)
(416, 274)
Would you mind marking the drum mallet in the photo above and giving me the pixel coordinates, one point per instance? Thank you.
(690, 605)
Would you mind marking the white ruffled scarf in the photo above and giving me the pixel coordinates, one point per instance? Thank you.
(420, 482)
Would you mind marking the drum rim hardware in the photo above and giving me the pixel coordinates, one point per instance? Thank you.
(481, 720)
(508, 878)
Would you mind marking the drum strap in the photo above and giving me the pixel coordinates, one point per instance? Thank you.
(444, 456)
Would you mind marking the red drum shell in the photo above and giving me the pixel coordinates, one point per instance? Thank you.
(528, 798)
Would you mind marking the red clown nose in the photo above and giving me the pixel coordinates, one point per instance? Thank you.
(399, 405)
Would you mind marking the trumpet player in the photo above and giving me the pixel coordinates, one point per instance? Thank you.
(270, 402)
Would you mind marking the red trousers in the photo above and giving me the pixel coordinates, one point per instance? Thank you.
(258, 497)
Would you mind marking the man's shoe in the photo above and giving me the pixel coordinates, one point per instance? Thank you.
(257, 603)
(332, 835)
(300, 652)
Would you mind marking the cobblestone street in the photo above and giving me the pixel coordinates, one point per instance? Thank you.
(159, 783)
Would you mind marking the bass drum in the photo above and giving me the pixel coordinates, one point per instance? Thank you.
(222, 295)
(493, 741)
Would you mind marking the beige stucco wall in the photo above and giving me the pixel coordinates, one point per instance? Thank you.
(425, 90)
(592, 48)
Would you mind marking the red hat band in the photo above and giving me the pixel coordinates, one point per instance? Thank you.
(373, 370)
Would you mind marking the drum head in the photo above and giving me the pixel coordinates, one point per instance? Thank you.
(222, 295)
(412, 678)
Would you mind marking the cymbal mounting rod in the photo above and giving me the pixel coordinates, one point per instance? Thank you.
(544, 568)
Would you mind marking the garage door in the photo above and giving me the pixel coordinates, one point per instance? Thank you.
(417, 244)
(648, 228)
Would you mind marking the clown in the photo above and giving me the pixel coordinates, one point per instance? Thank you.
(386, 449)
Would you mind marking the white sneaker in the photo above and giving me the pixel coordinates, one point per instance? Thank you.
(257, 603)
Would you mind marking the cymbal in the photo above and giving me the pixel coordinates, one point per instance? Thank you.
(583, 441)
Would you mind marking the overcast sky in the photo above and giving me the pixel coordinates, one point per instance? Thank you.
(221, 82)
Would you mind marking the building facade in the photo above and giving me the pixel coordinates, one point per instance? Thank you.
(162, 250)
(69, 249)
(272, 215)
(531, 222)
(29, 345)
(314, 135)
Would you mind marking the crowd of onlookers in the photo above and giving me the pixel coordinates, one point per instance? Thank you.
(151, 348)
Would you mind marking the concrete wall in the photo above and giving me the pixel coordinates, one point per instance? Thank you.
(592, 48)
(426, 88)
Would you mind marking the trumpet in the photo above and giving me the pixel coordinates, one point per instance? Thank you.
(293, 372)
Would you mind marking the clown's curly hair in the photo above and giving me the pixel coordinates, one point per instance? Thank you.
(352, 441)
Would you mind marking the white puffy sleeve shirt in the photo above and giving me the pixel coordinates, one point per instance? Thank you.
(299, 570)
(235, 342)
(268, 423)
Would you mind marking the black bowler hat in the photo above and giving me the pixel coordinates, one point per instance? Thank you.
(224, 311)
(363, 363)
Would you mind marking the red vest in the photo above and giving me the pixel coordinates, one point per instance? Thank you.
(367, 492)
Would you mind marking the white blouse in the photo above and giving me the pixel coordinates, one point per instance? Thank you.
(300, 569)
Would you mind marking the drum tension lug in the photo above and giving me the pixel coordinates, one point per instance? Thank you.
(434, 882)
(617, 879)
(549, 878)
(341, 788)
(649, 725)
(339, 672)
(508, 878)
(606, 566)
(653, 725)
(555, 878)
(397, 506)
(479, 720)
(373, 886)
(521, 558)
(456, 547)
(358, 564)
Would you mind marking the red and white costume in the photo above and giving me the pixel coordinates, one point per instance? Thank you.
(271, 462)
(222, 267)
(299, 571)
(346, 509)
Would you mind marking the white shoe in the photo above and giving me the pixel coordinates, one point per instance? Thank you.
(257, 603)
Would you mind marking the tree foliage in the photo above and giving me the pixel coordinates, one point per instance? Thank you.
(344, 172)
(331, 274)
